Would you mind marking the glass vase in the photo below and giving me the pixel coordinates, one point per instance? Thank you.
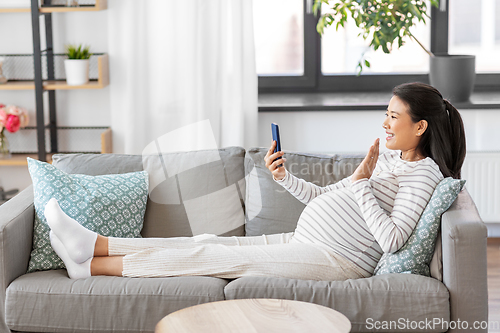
(4, 147)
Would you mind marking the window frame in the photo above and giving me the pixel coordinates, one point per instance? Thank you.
(311, 52)
(314, 80)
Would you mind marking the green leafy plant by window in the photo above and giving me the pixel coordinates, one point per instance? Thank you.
(384, 23)
(78, 51)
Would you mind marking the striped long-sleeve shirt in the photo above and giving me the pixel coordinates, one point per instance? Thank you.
(362, 220)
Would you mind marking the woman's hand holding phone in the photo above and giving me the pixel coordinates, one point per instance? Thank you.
(272, 162)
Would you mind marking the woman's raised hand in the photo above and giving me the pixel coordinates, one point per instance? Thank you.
(365, 169)
(278, 172)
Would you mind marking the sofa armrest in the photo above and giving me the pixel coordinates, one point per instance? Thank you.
(464, 237)
(16, 234)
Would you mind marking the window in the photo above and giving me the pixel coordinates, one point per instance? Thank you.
(291, 55)
(279, 39)
(497, 22)
(473, 30)
(341, 50)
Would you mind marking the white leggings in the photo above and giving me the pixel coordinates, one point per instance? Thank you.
(230, 257)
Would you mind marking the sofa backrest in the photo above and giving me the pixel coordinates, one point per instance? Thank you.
(190, 193)
(215, 191)
(269, 207)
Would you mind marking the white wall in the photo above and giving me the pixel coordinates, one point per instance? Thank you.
(355, 131)
(323, 131)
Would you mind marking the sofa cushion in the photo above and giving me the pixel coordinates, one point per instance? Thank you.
(190, 193)
(97, 164)
(271, 209)
(416, 254)
(50, 300)
(111, 205)
(385, 298)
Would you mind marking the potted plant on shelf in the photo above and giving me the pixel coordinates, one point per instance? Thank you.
(388, 22)
(77, 64)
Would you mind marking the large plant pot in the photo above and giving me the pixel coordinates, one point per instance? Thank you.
(453, 76)
(77, 71)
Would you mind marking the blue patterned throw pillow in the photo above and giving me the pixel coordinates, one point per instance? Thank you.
(414, 257)
(111, 205)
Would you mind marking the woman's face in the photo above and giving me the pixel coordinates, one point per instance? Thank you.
(402, 133)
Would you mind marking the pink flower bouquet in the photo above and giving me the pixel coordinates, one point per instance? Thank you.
(12, 118)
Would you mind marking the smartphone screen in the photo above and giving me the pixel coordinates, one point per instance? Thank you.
(276, 137)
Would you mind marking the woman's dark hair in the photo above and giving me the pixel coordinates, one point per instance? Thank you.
(444, 138)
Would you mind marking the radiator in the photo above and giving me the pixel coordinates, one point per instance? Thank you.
(481, 170)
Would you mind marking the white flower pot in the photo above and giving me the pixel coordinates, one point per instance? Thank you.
(77, 71)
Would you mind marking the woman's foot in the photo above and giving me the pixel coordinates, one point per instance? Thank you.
(75, 271)
(78, 241)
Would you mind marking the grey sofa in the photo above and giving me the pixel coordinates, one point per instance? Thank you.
(48, 301)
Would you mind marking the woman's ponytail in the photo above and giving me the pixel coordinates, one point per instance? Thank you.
(457, 139)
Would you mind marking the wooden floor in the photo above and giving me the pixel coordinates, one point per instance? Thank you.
(494, 282)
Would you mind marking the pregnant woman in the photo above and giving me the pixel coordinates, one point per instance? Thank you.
(341, 234)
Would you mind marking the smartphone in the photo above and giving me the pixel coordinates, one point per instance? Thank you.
(276, 137)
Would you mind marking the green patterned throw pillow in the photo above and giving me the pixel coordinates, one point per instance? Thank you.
(111, 205)
(414, 257)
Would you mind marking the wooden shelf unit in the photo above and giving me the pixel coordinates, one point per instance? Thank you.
(51, 85)
(20, 159)
(15, 10)
(99, 5)
(102, 80)
(107, 142)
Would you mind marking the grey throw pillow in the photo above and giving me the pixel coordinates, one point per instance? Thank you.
(270, 209)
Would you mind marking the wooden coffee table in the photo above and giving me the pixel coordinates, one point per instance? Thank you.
(255, 315)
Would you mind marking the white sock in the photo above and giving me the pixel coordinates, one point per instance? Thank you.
(78, 241)
(75, 271)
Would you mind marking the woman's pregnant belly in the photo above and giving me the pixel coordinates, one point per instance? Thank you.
(334, 219)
